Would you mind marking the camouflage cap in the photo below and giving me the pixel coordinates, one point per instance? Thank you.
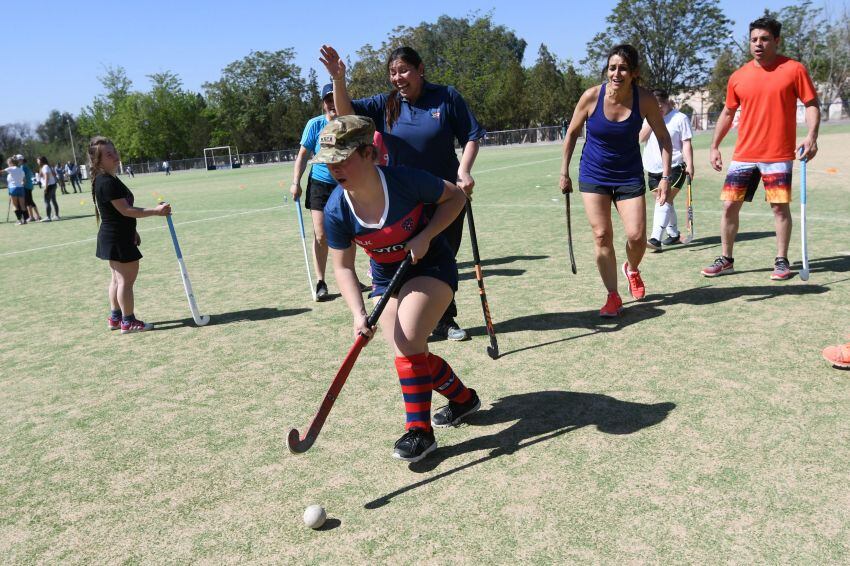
(342, 136)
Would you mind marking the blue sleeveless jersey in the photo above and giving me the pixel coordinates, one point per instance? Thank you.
(611, 153)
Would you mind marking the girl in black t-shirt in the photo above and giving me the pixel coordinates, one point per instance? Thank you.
(117, 238)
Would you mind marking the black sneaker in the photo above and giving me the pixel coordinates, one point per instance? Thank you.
(671, 240)
(321, 290)
(414, 445)
(453, 413)
(654, 244)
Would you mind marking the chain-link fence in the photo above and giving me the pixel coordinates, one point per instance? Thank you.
(545, 134)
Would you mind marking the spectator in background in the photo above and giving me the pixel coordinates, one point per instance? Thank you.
(17, 193)
(129, 171)
(73, 170)
(59, 172)
(166, 166)
(49, 183)
(32, 208)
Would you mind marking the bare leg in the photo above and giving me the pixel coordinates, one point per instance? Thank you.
(127, 273)
(633, 214)
(598, 210)
(783, 223)
(729, 225)
(113, 289)
(320, 243)
(408, 320)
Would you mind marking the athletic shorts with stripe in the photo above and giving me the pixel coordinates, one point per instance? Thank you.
(677, 178)
(742, 180)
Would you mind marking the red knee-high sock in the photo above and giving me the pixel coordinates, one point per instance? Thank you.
(414, 374)
(446, 383)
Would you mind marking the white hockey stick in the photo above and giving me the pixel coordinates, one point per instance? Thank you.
(200, 319)
(804, 273)
(304, 246)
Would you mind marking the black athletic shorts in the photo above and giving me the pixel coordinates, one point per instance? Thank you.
(318, 193)
(616, 192)
(677, 176)
(442, 267)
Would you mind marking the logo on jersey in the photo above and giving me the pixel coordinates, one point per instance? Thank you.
(388, 249)
(407, 225)
(435, 114)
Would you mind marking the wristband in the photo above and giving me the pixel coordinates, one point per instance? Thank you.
(665, 177)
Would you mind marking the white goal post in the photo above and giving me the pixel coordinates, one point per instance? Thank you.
(215, 158)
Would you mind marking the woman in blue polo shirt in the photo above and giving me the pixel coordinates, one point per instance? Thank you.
(419, 122)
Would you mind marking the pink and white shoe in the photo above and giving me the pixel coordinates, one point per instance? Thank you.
(135, 326)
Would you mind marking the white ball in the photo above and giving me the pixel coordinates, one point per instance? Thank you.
(315, 516)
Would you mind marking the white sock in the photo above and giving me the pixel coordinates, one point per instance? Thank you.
(659, 220)
(672, 222)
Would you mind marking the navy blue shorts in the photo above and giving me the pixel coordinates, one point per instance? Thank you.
(616, 192)
(443, 268)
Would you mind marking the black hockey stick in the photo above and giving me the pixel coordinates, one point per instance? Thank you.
(493, 348)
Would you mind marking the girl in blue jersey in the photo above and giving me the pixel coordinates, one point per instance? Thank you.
(611, 171)
(382, 209)
(420, 122)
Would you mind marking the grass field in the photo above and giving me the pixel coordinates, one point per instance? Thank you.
(703, 426)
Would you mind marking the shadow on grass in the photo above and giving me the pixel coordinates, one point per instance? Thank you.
(649, 307)
(832, 264)
(330, 525)
(263, 313)
(500, 260)
(709, 242)
(491, 273)
(539, 416)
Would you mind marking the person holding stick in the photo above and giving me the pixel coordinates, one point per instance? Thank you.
(382, 210)
(419, 122)
(766, 90)
(611, 172)
(117, 239)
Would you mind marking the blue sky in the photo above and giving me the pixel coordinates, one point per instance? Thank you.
(65, 50)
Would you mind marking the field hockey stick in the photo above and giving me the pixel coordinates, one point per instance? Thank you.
(570, 236)
(304, 247)
(299, 444)
(200, 319)
(689, 234)
(493, 348)
(804, 273)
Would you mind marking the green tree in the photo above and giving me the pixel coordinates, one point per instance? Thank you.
(676, 39)
(260, 102)
(725, 64)
(546, 90)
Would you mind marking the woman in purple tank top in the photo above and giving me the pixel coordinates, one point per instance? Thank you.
(611, 169)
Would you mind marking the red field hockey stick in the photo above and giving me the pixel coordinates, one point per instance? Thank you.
(493, 348)
(299, 444)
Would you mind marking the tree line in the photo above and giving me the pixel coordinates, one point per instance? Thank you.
(262, 101)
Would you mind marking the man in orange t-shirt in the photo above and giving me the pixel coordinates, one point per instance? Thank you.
(766, 90)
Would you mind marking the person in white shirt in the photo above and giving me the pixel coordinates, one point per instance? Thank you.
(48, 181)
(679, 126)
(17, 193)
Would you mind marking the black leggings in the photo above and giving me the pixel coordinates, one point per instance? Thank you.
(454, 234)
(50, 198)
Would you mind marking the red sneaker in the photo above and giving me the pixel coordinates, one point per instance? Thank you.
(720, 266)
(135, 326)
(613, 306)
(781, 269)
(636, 287)
(839, 356)
(113, 323)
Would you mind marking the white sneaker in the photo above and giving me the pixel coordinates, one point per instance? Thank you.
(45, 219)
(57, 217)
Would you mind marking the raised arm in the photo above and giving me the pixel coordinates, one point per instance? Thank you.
(336, 69)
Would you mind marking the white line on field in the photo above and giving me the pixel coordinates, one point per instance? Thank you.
(517, 165)
(63, 244)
